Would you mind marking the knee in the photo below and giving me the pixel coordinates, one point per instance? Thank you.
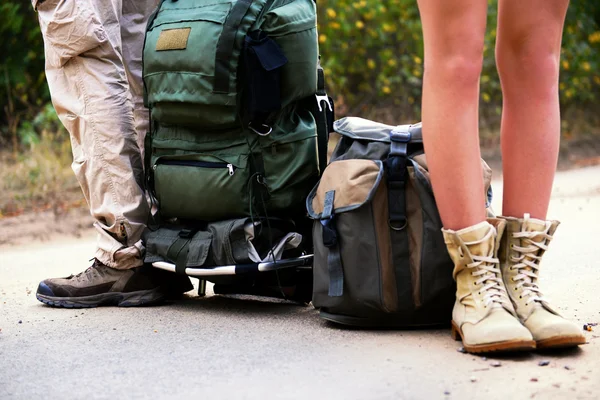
(458, 70)
(528, 63)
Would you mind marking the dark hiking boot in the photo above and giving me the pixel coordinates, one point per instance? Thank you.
(100, 285)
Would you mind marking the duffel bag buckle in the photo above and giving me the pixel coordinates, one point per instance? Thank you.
(330, 238)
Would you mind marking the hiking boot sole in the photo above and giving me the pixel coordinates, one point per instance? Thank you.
(133, 299)
(498, 347)
(560, 342)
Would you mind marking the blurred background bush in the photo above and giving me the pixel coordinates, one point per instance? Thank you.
(372, 52)
(373, 56)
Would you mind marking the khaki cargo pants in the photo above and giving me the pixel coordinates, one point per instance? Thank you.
(93, 52)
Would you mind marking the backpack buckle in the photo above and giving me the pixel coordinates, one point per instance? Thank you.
(265, 132)
(323, 98)
(187, 233)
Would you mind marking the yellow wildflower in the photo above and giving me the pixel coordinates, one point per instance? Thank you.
(331, 13)
(486, 97)
(586, 66)
(386, 90)
(371, 64)
(565, 65)
(335, 25)
(322, 38)
(389, 27)
(360, 24)
(392, 63)
(417, 60)
(594, 37)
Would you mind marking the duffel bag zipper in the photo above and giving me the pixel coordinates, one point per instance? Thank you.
(198, 164)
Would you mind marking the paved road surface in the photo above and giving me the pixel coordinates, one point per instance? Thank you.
(226, 348)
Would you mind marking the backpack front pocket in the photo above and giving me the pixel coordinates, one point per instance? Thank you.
(201, 187)
(191, 58)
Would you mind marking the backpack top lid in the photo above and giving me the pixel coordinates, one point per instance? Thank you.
(364, 129)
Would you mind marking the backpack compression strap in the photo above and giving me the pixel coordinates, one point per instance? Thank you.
(397, 173)
(226, 44)
(324, 116)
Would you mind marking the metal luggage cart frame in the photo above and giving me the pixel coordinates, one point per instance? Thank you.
(203, 273)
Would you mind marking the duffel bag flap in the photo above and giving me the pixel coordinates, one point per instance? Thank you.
(354, 183)
(353, 269)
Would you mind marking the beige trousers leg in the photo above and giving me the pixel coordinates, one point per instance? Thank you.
(93, 52)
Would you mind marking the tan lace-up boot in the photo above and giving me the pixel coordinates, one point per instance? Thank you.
(483, 316)
(525, 241)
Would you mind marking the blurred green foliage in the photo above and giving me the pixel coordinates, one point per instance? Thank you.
(23, 90)
(373, 57)
(372, 53)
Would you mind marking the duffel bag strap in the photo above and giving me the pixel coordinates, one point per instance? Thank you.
(330, 240)
(179, 250)
(397, 175)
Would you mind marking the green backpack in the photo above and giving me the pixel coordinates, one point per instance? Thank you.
(238, 108)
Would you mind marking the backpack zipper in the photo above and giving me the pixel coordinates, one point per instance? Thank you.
(198, 164)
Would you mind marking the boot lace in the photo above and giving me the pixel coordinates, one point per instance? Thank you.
(527, 262)
(89, 273)
(487, 268)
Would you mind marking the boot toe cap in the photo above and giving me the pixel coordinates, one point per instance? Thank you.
(44, 289)
(498, 327)
(544, 325)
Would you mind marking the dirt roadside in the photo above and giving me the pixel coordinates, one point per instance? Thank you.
(45, 226)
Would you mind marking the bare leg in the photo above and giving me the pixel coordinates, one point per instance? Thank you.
(527, 53)
(453, 32)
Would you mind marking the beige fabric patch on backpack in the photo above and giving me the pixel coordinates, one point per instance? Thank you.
(173, 39)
